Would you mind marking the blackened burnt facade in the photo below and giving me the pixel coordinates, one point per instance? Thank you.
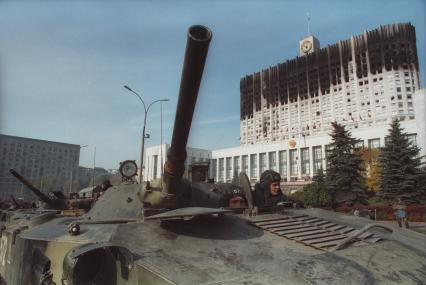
(363, 81)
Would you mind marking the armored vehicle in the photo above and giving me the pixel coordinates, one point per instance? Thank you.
(57, 199)
(192, 236)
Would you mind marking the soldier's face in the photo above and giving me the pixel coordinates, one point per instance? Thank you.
(274, 188)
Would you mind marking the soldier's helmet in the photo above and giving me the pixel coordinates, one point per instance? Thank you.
(268, 177)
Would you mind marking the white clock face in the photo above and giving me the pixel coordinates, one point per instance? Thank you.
(306, 46)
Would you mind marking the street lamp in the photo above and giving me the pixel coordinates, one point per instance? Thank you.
(72, 168)
(144, 125)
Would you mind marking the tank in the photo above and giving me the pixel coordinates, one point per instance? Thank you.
(175, 232)
(57, 199)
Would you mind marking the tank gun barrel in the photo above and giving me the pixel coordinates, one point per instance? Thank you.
(56, 204)
(197, 46)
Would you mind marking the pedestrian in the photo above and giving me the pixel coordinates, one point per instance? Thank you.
(356, 213)
(401, 213)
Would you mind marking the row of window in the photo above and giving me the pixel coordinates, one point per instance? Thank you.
(289, 165)
(285, 162)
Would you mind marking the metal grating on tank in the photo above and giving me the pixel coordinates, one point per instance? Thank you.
(314, 232)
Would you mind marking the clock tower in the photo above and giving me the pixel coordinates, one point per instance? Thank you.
(308, 45)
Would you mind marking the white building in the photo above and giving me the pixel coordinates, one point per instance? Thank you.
(298, 158)
(156, 156)
(360, 82)
(286, 110)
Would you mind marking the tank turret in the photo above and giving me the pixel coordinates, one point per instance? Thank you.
(60, 202)
(52, 203)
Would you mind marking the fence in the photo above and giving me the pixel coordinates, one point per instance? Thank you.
(415, 213)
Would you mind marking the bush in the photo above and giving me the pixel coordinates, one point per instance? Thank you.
(376, 201)
(315, 195)
(297, 197)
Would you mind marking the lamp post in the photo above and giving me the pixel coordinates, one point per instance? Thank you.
(144, 125)
(94, 167)
(72, 168)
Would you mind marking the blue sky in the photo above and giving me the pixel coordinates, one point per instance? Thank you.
(63, 64)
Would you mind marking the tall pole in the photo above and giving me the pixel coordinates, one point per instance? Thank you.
(94, 164)
(142, 147)
(144, 125)
(72, 168)
(308, 20)
(161, 143)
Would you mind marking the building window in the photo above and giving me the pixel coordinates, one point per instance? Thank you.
(304, 153)
(228, 168)
(155, 166)
(262, 163)
(317, 156)
(221, 169)
(244, 164)
(328, 149)
(237, 168)
(213, 171)
(272, 161)
(294, 170)
(374, 143)
(282, 164)
(359, 144)
(412, 138)
(253, 163)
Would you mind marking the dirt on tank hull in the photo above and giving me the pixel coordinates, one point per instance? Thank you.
(223, 249)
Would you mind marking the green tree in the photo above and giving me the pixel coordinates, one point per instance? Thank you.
(422, 182)
(400, 164)
(316, 194)
(344, 177)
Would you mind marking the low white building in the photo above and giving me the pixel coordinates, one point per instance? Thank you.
(156, 156)
(298, 158)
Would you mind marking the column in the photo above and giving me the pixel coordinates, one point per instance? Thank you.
(249, 166)
(311, 161)
(258, 166)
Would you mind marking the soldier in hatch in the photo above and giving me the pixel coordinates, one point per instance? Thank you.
(267, 192)
(100, 189)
